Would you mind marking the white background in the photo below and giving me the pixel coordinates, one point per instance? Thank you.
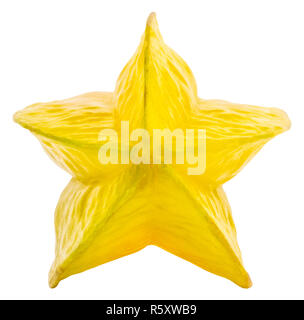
(242, 51)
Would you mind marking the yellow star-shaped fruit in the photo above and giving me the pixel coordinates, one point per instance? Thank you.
(108, 211)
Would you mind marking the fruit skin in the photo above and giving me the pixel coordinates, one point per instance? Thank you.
(109, 211)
